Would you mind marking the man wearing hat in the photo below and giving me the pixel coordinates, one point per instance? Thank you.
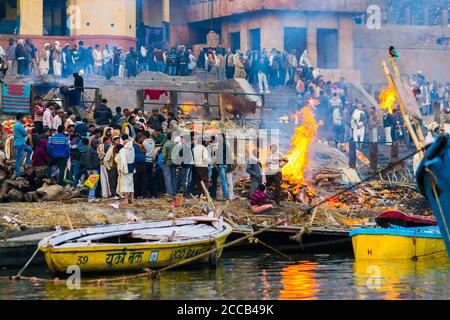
(44, 60)
(57, 60)
(359, 121)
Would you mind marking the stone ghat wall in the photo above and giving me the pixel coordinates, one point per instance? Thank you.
(123, 91)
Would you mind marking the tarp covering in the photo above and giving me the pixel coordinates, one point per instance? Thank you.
(16, 98)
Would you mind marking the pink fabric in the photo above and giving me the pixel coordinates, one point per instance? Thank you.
(261, 209)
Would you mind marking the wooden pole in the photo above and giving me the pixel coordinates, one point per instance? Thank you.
(352, 154)
(221, 109)
(415, 121)
(402, 109)
(208, 197)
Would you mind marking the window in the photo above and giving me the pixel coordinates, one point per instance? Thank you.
(235, 41)
(327, 48)
(8, 17)
(295, 38)
(55, 18)
(255, 39)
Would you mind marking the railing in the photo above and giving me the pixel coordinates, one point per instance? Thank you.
(207, 104)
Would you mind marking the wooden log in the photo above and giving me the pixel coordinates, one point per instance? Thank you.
(352, 155)
(16, 195)
(374, 157)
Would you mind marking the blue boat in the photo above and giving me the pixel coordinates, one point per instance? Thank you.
(433, 178)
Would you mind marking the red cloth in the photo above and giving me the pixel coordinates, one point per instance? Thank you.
(155, 94)
(259, 198)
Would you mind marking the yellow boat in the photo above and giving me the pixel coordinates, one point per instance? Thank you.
(136, 246)
(397, 243)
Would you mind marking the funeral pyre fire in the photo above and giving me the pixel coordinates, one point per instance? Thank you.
(294, 171)
(189, 109)
(387, 99)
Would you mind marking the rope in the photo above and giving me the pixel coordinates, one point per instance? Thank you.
(148, 274)
(415, 258)
(438, 201)
(230, 244)
(258, 241)
(28, 263)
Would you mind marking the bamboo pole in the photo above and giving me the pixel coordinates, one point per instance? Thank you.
(397, 74)
(408, 124)
(222, 109)
(208, 197)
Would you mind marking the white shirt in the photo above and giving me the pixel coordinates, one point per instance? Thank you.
(107, 56)
(273, 163)
(201, 156)
(57, 121)
(97, 55)
(356, 117)
(47, 119)
(337, 117)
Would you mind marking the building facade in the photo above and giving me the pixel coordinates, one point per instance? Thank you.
(333, 31)
(324, 28)
(94, 21)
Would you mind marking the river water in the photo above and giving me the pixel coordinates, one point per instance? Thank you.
(259, 275)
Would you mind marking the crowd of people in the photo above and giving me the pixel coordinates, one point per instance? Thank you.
(343, 120)
(263, 68)
(23, 57)
(129, 154)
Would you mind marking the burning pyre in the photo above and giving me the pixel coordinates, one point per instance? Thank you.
(294, 170)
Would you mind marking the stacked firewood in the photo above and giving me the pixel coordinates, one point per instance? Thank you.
(33, 186)
(326, 177)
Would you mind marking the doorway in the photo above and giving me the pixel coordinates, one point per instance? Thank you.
(255, 39)
(295, 38)
(235, 41)
(55, 18)
(8, 17)
(327, 48)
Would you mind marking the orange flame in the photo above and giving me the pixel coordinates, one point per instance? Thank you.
(387, 99)
(301, 142)
(189, 108)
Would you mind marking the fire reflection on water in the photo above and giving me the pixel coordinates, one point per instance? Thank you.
(299, 282)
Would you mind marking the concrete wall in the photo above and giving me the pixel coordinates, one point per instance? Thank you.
(416, 45)
(200, 10)
(179, 29)
(31, 17)
(272, 24)
(112, 17)
(152, 13)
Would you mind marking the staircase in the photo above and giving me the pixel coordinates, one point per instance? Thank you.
(280, 103)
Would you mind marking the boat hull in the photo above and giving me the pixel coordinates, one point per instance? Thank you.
(130, 257)
(433, 178)
(389, 244)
